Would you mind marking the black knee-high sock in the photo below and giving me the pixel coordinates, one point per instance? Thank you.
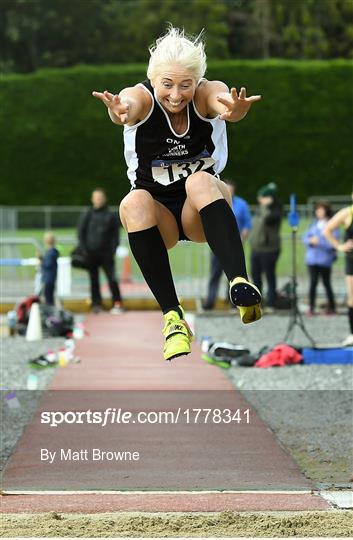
(222, 235)
(151, 255)
(350, 318)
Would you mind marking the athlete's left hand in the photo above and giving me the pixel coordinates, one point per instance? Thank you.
(236, 105)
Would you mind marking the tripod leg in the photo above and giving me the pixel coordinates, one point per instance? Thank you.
(304, 330)
(293, 317)
(296, 317)
(289, 328)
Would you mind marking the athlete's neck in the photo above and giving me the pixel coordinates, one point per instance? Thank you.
(178, 116)
(178, 120)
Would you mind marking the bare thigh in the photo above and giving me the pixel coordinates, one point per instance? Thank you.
(190, 216)
(349, 285)
(167, 225)
(139, 211)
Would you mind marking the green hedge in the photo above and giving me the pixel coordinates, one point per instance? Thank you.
(57, 142)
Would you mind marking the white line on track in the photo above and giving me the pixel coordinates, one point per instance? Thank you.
(149, 492)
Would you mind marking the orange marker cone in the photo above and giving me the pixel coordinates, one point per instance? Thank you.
(126, 274)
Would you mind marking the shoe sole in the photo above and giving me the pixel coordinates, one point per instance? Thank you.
(176, 356)
(244, 295)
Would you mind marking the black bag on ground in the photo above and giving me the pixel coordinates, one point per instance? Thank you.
(79, 258)
(284, 298)
(56, 322)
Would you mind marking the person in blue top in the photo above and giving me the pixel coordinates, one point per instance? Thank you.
(320, 255)
(242, 214)
(49, 267)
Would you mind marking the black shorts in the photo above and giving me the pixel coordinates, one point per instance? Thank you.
(175, 204)
(349, 265)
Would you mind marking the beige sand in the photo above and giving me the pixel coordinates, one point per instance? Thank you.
(264, 524)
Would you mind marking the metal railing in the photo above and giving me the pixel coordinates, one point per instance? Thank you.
(45, 217)
(55, 217)
(20, 274)
(49, 217)
(189, 262)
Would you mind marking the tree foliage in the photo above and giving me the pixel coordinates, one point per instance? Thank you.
(61, 33)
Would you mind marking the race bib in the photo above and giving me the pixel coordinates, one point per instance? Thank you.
(167, 172)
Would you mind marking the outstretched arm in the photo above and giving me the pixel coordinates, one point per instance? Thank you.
(229, 105)
(335, 222)
(128, 107)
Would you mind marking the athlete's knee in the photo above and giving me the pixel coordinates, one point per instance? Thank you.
(199, 183)
(137, 207)
(224, 189)
(136, 199)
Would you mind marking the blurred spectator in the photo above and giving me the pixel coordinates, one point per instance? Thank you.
(98, 233)
(49, 267)
(320, 256)
(265, 241)
(344, 217)
(242, 213)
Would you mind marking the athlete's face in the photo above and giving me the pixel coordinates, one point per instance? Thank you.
(175, 87)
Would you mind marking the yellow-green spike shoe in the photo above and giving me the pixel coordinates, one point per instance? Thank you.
(247, 298)
(178, 335)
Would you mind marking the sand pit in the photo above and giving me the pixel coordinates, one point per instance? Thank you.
(321, 524)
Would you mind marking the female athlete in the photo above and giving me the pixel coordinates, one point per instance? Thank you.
(344, 217)
(175, 147)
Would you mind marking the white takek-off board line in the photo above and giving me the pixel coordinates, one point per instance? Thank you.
(127, 492)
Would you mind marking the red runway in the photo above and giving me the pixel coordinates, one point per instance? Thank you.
(122, 364)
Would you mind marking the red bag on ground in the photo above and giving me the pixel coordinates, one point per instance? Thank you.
(281, 355)
(24, 308)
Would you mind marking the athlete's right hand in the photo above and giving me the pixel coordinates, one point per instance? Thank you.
(346, 247)
(114, 104)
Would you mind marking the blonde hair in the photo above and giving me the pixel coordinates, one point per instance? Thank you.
(176, 48)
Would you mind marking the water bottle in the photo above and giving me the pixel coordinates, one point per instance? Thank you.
(63, 357)
(78, 332)
(205, 343)
(12, 322)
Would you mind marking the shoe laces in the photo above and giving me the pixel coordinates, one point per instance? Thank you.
(170, 318)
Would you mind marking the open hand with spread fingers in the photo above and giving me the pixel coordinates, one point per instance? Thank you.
(114, 104)
(236, 105)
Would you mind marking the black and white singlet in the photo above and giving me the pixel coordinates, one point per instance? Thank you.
(348, 235)
(159, 159)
